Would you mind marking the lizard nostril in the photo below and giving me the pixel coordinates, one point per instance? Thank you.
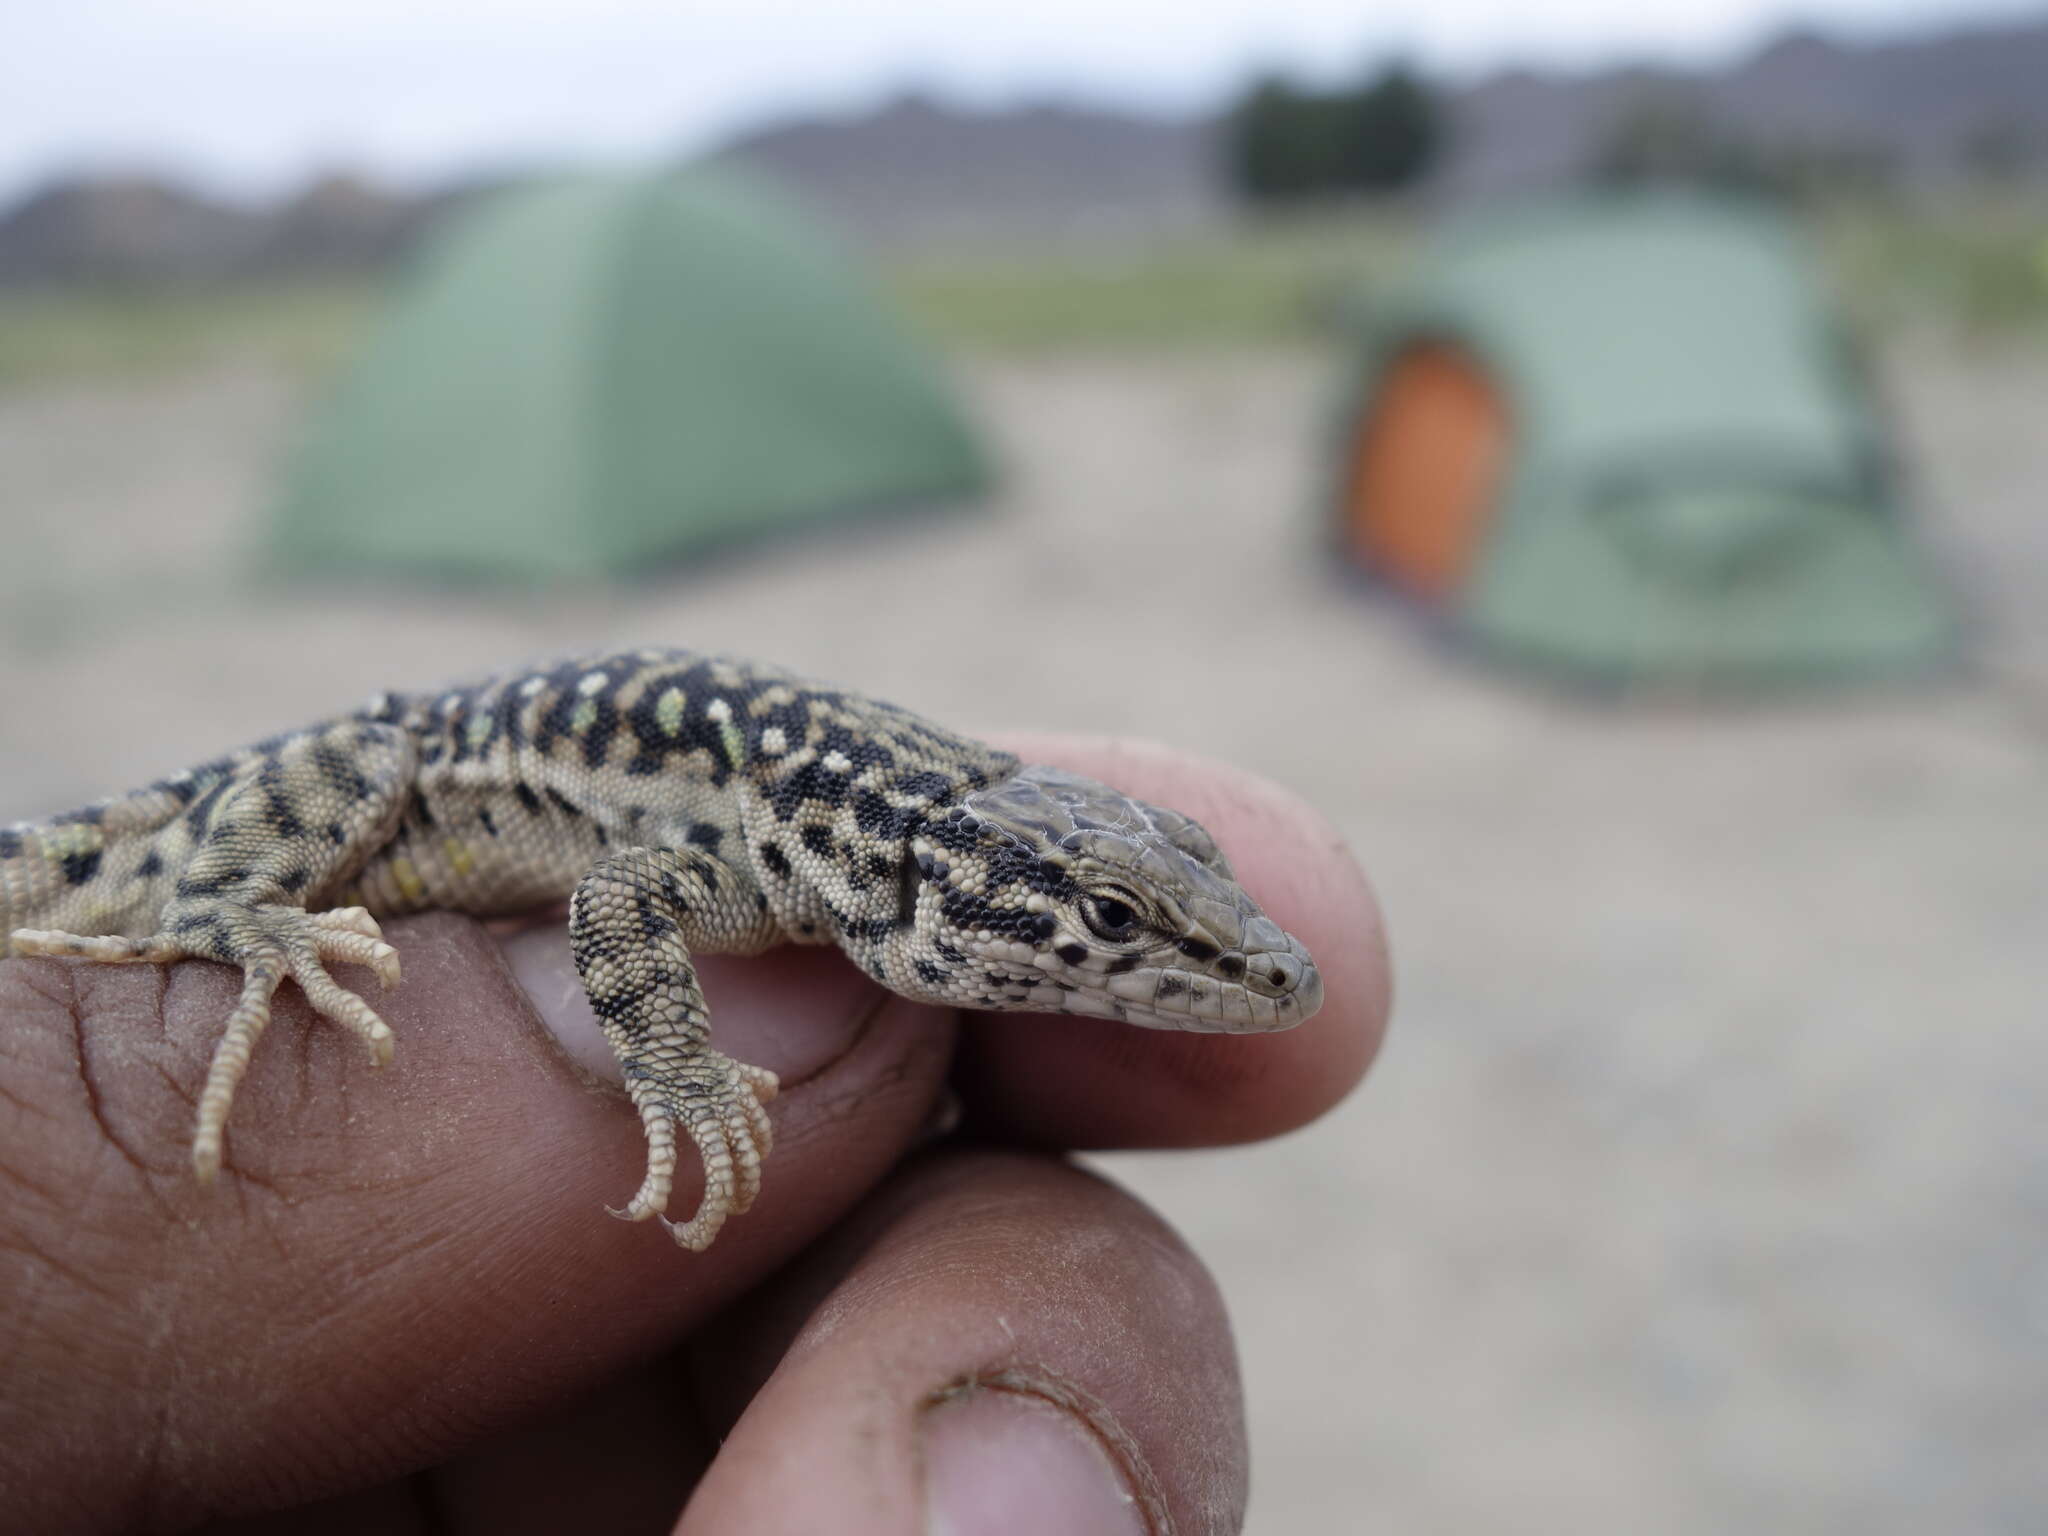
(1278, 977)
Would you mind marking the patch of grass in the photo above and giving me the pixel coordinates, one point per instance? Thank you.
(1977, 265)
(1261, 282)
(56, 335)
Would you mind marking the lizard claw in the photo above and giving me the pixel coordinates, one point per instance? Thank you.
(722, 1104)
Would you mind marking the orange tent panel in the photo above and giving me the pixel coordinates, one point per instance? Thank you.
(1427, 465)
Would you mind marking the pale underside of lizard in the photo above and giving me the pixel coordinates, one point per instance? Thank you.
(685, 804)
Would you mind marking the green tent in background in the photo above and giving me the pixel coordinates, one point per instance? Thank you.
(585, 375)
(1623, 434)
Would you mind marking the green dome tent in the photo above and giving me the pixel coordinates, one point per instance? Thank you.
(588, 374)
(1623, 435)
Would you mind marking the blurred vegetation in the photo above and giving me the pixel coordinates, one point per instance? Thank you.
(1977, 264)
(1979, 267)
(95, 334)
(1287, 143)
(1271, 280)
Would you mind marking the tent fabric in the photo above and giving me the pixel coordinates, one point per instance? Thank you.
(588, 374)
(1428, 469)
(1692, 479)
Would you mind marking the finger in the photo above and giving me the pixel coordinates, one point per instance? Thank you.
(622, 1458)
(391, 1263)
(996, 1343)
(1081, 1082)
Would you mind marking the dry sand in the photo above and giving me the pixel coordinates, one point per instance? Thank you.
(1703, 1185)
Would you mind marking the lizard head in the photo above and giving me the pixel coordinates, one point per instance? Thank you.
(1053, 893)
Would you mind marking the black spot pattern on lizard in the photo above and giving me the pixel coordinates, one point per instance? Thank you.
(654, 923)
(926, 784)
(81, 867)
(508, 717)
(775, 730)
(703, 834)
(341, 771)
(182, 789)
(873, 814)
(973, 912)
(474, 725)
(200, 817)
(212, 885)
(279, 816)
(809, 783)
(10, 845)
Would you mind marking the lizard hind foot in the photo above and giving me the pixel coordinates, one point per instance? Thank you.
(721, 1104)
(270, 943)
(301, 952)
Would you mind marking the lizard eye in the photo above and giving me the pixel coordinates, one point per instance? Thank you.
(1110, 918)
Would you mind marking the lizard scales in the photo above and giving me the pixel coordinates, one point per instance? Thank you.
(683, 803)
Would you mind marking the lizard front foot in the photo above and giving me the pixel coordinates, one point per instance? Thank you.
(269, 942)
(719, 1103)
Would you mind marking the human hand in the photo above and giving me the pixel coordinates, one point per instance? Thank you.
(402, 1298)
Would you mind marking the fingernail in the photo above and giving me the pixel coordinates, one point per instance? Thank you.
(1002, 1463)
(792, 1011)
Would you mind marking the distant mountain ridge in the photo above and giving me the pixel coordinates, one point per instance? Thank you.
(1924, 109)
(921, 165)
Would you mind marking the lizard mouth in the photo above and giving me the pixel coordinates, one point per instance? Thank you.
(1274, 990)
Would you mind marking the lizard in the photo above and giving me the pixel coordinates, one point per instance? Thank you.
(684, 803)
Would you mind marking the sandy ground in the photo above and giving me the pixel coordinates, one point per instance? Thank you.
(1703, 1185)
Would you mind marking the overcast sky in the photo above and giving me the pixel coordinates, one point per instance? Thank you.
(248, 96)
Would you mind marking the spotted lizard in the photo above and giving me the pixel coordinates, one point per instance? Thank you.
(684, 804)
